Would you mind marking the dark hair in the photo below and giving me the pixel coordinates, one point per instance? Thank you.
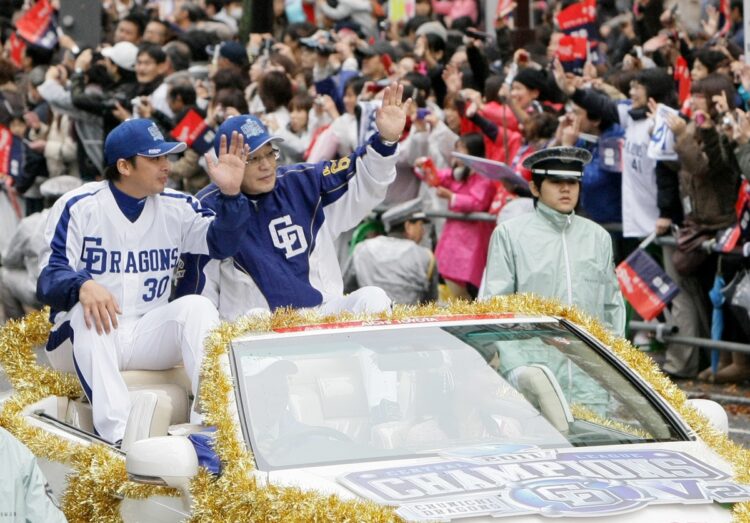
(198, 41)
(284, 61)
(540, 125)
(462, 23)
(275, 90)
(711, 59)
(713, 85)
(184, 90)
(299, 30)
(229, 78)
(169, 34)
(112, 174)
(179, 54)
(596, 114)
(492, 88)
(136, 20)
(413, 24)
(355, 83)
(301, 101)
(231, 98)
(195, 13)
(154, 51)
(217, 4)
(420, 82)
(474, 143)
(38, 55)
(435, 43)
(620, 79)
(659, 85)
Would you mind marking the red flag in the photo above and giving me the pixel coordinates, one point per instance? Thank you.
(572, 52)
(579, 19)
(37, 25)
(17, 46)
(645, 285)
(194, 131)
(682, 77)
(6, 148)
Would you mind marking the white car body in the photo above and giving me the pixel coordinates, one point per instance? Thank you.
(327, 478)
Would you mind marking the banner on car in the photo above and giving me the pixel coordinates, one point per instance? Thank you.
(545, 482)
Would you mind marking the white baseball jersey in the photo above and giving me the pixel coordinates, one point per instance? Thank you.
(87, 236)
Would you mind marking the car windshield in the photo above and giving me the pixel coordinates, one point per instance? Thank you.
(324, 397)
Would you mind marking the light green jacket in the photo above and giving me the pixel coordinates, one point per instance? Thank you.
(24, 495)
(560, 256)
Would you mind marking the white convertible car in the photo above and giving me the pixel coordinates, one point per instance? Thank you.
(478, 416)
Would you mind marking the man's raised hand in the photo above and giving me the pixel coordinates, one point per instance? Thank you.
(228, 169)
(391, 117)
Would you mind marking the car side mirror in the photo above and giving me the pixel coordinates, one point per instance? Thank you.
(713, 412)
(166, 460)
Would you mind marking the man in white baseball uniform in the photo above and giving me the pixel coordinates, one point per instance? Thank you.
(111, 251)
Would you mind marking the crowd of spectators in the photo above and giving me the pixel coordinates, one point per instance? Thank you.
(314, 78)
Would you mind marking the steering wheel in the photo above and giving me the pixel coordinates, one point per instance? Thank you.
(287, 441)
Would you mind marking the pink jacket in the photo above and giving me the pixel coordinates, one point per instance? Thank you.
(453, 9)
(462, 249)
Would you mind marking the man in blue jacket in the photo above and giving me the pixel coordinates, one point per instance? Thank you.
(286, 256)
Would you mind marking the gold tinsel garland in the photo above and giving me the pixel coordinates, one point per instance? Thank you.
(581, 411)
(99, 475)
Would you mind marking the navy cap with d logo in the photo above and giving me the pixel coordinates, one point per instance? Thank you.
(250, 127)
(138, 137)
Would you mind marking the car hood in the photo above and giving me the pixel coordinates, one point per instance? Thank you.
(665, 507)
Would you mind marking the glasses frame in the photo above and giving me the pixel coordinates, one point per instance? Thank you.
(272, 156)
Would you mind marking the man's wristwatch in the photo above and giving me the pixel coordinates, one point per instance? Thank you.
(389, 143)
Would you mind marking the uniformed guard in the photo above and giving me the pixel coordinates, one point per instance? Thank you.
(553, 252)
(396, 263)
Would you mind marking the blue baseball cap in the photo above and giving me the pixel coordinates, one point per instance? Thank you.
(138, 137)
(250, 127)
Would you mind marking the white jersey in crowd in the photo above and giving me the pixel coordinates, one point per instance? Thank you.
(639, 209)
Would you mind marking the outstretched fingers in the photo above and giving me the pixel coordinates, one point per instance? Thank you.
(237, 145)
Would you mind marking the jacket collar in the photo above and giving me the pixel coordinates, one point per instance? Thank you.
(558, 220)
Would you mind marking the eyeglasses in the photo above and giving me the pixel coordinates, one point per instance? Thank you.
(271, 156)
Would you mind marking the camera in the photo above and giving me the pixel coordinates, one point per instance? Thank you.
(110, 104)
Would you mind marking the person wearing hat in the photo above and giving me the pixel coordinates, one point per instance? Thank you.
(111, 248)
(113, 71)
(396, 263)
(20, 260)
(287, 256)
(553, 252)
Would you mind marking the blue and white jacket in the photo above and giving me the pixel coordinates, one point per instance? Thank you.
(286, 255)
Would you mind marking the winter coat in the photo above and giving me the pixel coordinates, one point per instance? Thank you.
(559, 256)
(709, 177)
(462, 248)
